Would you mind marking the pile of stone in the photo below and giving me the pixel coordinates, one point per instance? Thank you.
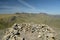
(28, 31)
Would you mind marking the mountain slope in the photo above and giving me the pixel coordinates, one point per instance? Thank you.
(6, 20)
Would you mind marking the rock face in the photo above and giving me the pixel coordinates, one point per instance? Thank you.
(27, 31)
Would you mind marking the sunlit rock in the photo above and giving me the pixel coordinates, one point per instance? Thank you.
(28, 31)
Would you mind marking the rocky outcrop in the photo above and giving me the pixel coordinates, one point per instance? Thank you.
(29, 31)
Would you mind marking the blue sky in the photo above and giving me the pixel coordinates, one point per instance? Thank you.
(33, 6)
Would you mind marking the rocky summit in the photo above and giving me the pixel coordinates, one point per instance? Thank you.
(29, 31)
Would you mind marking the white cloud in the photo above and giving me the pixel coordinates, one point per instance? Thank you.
(25, 3)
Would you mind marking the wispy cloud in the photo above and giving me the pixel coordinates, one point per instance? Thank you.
(25, 3)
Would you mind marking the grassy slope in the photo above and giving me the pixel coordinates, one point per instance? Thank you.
(6, 20)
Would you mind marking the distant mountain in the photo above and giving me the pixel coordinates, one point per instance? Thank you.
(6, 20)
(57, 16)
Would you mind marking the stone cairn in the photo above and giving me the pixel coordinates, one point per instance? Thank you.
(29, 31)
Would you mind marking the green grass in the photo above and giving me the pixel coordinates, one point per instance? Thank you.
(7, 20)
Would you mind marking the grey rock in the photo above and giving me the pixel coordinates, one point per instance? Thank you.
(27, 31)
